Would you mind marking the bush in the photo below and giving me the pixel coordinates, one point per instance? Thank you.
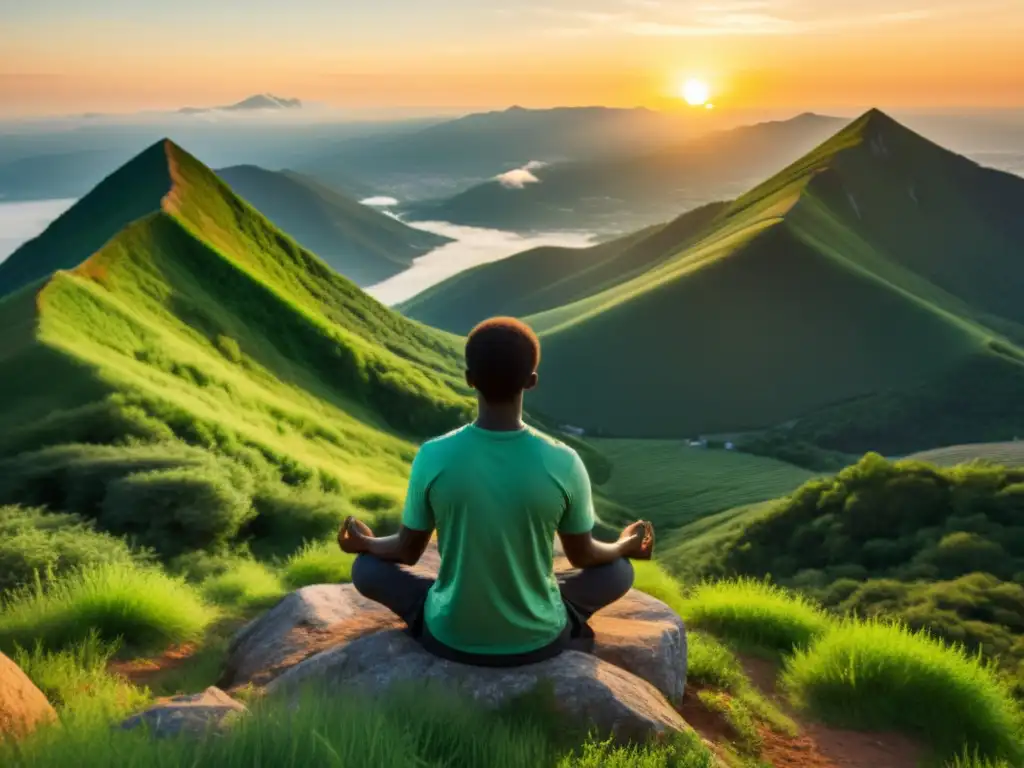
(318, 563)
(755, 614)
(879, 676)
(34, 542)
(140, 605)
(288, 518)
(245, 584)
(175, 510)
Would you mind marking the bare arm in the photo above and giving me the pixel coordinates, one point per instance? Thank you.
(405, 547)
(584, 551)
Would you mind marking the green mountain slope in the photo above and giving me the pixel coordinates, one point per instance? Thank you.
(639, 189)
(359, 242)
(162, 305)
(845, 286)
(548, 277)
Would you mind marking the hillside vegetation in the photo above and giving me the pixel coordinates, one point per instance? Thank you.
(867, 291)
(163, 310)
(363, 244)
(942, 549)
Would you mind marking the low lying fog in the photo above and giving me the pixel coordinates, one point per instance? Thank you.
(23, 221)
(472, 246)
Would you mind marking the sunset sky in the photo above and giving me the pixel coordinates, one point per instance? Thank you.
(64, 56)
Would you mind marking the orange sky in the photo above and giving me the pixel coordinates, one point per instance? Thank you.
(63, 56)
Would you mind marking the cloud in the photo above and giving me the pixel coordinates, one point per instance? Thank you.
(655, 18)
(520, 177)
(380, 201)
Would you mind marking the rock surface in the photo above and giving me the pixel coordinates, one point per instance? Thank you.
(194, 714)
(585, 687)
(638, 633)
(331, 631)
(23, 707)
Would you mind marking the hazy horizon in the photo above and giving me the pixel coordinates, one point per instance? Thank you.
(59, 57)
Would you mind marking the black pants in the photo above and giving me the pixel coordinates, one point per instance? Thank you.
(584, 592)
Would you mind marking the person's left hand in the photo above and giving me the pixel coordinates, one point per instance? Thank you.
(354, 535)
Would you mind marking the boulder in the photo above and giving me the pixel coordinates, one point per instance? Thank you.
(645, 637)
(585, 687)
(23, 707)
(638, 633)
(195, 714)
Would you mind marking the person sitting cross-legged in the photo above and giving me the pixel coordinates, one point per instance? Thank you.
(497, 492)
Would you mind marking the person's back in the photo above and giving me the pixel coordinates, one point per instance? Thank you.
(497, 492)
(498, 499)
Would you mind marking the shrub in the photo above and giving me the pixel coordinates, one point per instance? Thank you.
(755, 614)
(880, 676)
(318, 563)
(140, 605)
(245, 584)
(288, 518)
(177, 509)
(35, 542)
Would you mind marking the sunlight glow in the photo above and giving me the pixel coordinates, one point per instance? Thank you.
(696, 92)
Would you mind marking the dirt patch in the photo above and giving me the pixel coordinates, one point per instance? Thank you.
(144, 672)
(708, 723)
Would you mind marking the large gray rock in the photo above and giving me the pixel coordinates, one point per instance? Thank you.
(195, 714)
(638, 633)
(586, 688)
(304, 623)
(645, 637)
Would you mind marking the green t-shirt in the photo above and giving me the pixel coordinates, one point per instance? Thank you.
(497, 499)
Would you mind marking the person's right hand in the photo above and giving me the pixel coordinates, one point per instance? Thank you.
(637, 541)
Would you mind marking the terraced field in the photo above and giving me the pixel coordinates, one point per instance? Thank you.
(672, 484)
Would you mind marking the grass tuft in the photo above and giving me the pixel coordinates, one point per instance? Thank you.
(318, 563)
(245, 585)
(141, 606)
(756, 615)
(879, 676)
(76, 680)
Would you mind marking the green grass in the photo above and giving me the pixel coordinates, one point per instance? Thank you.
(246, 585)
(141, 606)
(671, 484)
(878, 676)
(77, 683)
(755, 615)
(197, 319)
(318, 563)
(343, 730)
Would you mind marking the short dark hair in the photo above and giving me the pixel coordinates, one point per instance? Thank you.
(501, 355)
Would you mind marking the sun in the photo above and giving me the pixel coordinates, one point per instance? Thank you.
(696, 93)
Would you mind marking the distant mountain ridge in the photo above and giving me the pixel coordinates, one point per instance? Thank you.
(871, 291)
(635, 188)
(454, 154)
